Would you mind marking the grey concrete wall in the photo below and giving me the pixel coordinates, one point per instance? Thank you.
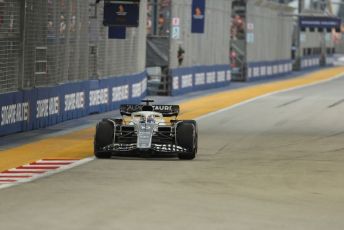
(315, 40)
(340, 47)
(272, 32)
(209, 48)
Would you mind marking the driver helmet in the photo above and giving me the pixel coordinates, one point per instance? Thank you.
(151, 119)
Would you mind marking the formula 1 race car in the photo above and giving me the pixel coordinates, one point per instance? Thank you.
(146, 129)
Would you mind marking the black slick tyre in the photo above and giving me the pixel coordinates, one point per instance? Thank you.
(104, 137)
(187, 138)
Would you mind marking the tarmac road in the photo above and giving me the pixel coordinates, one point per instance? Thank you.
(274, 163)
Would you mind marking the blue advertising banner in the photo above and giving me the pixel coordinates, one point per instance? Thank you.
(319, 22)
(121, 13)
(191, 79)
(268, 69)
(41, 107)
(198, 16)
(117, 32)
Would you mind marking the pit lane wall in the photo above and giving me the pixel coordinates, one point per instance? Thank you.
(267, 69)
(205, 62)
(314, 61)
(268, 40)
(190, 79)
(41, 107)
(204, 47)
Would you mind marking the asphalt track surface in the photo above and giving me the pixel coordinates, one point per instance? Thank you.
(273, 163)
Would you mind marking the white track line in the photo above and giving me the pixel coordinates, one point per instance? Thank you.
(15, 174)
(17, 170)
(56, 161)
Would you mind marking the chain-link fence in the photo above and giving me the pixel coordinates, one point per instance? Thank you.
(117, 57)
(64, 41)
(9, 44)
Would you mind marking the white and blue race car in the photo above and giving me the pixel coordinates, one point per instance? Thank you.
(146, 129)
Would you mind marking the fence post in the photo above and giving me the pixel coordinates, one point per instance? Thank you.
(21, 71)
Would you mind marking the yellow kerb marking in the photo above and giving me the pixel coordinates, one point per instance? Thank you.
(80, 144)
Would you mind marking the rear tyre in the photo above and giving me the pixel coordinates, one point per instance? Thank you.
(104, 137)
(187, 138)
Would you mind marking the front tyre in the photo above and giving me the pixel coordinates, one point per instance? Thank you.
(104, 137)
(187, 138)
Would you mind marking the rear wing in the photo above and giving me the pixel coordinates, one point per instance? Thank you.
(165, 110)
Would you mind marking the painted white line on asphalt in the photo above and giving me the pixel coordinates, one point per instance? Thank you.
(16, 174)
(57, 161)
(17, 170)
(269, 94)
(29, 166)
